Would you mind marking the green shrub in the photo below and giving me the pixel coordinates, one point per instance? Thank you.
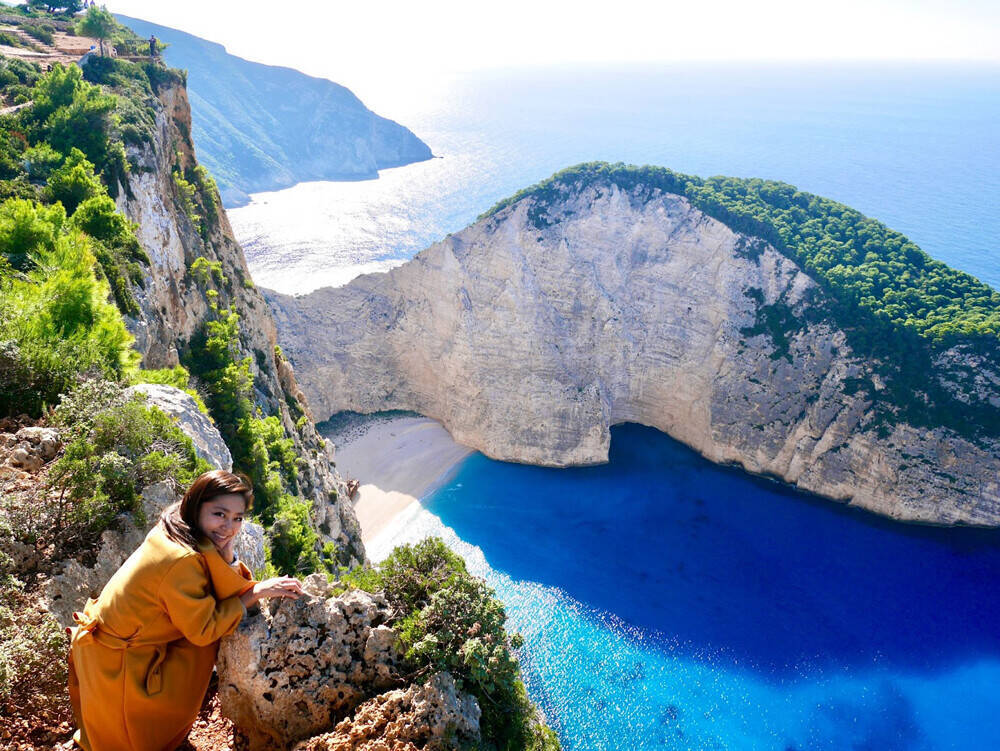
(205, 272)
(26, 227)
(43, 33)
(451, 620)
(33, 669)
(11, 39)
(117, 248)
(71, 113)
(40, 160)
(56, 324)
(293, 541)
(114, 447)
(73, 182)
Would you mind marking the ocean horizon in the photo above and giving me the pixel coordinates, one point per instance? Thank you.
(913, 145)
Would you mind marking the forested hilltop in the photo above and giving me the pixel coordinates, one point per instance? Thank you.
(118, 269)
(910, 314)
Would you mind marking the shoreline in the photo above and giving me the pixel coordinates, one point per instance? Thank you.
(396, 461)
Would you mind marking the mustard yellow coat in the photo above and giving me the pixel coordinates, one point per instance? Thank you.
(142, 654)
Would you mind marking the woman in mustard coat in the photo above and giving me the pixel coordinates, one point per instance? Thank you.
(142, 653)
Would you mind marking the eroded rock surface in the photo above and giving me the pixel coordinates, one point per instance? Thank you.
(297, 667)
(175, 304)
(529, 338)
(198, 427)
(435, 715)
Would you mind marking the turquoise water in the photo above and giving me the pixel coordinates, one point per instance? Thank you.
(671, 604)
(915, 146)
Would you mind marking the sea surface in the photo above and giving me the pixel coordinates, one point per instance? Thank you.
(915, 146)
(668, 603)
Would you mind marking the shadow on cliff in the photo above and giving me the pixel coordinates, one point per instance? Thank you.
(730, 567)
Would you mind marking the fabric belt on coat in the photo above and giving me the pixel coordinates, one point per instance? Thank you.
(93, 626)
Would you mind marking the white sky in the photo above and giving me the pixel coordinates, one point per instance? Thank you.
(379, 44)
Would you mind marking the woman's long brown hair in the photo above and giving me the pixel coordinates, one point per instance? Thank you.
(180, 520)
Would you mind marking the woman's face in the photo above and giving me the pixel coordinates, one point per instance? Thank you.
(221, 518)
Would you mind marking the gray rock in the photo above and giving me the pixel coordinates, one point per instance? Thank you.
(435, 715)
(182, 408)
(299, 666)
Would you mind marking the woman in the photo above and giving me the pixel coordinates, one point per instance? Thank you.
(142, 653)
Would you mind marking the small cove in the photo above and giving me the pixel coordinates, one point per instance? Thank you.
(670, 603)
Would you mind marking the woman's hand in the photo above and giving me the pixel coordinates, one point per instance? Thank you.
(226, 551)
(279, 586)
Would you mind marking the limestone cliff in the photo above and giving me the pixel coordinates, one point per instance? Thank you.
(529, 338)
(175, 303)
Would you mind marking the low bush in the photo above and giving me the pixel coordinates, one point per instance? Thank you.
(450, 620)
(56, 323)
(33, 668)
(114, 447)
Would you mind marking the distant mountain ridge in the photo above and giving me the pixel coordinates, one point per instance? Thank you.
(261, 127)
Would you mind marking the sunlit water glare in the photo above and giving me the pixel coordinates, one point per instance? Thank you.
(915, 146)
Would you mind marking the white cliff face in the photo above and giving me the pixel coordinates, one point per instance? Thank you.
(528, 344)
(174, 305)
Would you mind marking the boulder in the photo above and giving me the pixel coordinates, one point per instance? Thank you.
(435, 715)
(298, 667)
(197, 425)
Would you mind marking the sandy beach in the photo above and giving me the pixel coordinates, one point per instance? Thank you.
(397, 461)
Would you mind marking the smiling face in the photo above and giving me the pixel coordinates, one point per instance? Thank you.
(220, 519)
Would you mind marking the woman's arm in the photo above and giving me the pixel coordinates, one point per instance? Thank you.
(191, 607)
(279, 586)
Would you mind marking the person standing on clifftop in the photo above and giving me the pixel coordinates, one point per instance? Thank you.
(152, 45)
(142, 653)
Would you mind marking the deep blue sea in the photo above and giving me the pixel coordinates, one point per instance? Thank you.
(668, 603)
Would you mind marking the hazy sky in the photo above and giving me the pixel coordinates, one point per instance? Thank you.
(362, 44)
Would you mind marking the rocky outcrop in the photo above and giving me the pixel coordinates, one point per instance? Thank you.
(196, 425)
(529, 335)
(297, 667)
(435, 715)
(175, 304)
(261, 127)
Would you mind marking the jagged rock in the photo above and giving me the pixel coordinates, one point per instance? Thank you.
(249, 546)
(184, 411)
(30, 448)
(45, 442)
(297, 667)
(631, 305)
(435, 715)
(23, 457)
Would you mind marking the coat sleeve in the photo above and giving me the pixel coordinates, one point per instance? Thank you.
(192, 608)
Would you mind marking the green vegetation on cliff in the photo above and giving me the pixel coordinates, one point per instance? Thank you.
(899, 307)
(451, 620)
